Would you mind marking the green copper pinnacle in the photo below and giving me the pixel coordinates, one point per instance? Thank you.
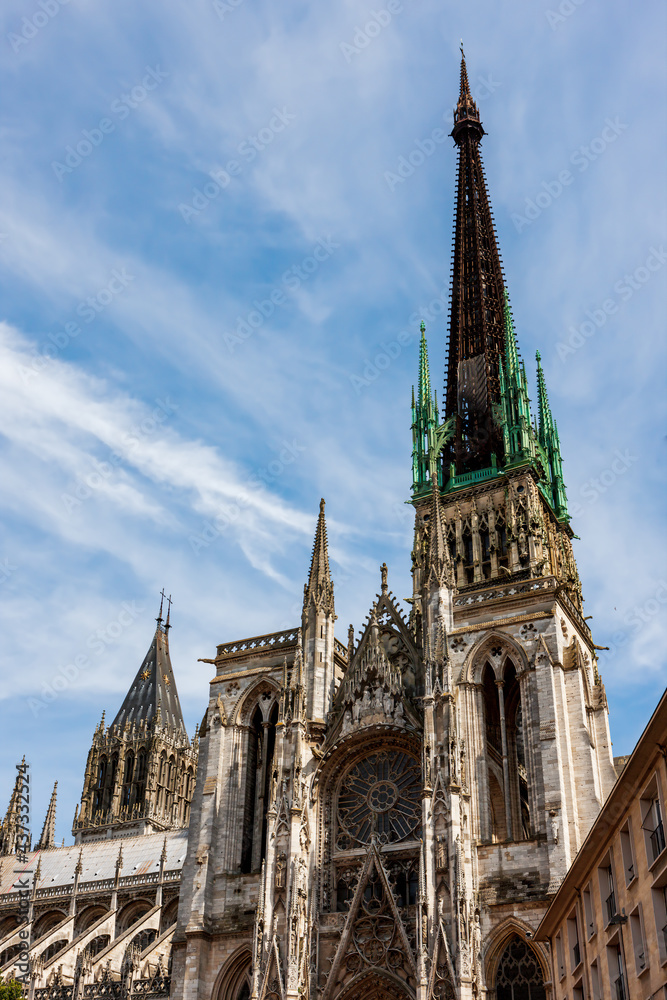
(524, 440)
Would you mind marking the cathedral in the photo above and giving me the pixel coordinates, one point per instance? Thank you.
(385, 818)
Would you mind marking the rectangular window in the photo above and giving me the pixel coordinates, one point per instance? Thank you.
(652, 822)
(628, 853)
(588, 911)
(638, 940)
(607, 890)
(578, 991)
(660, 910)
(595, 981)
(559, 956)
(617, 972)
(573, 940)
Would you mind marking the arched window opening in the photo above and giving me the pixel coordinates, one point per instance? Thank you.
(169, 915)
(109, 783)
(509, 812)
(519, 975)
(132, 913)
(492, 714)
(494, 757)
(45, 924)
(485, 543)
(143, 939)
(516, 755)
(53, 950)
(468, 553)
(261, 744)
(10, 923)
(141, 777)
(97, 945)
(162, 782)
(98, 802)
(9, 953)
(188, 788)
(127, 797)
(501, 535)
(169, 781)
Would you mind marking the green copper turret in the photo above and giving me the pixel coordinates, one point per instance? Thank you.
(550, 442)
(424, 422)
(518, 434)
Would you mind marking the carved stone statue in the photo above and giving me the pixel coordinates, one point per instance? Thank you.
(476, 941)
(554, 825)
(281, 871)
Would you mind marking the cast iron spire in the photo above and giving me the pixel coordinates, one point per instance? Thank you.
(477, 321)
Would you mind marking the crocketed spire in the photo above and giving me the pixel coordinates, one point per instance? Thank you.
(319, 589)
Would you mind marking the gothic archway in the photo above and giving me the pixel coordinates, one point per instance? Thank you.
(233, 981)
(519, 973)
(375, 986)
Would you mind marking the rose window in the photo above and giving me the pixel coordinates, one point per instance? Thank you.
(379, 795)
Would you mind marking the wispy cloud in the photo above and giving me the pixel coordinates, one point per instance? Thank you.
(78, 410)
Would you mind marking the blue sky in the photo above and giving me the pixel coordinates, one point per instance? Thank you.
(171, 343)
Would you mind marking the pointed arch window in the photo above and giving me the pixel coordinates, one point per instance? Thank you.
(519, 975)
(259, 761)
(98, 801)
(507, 773)
(141, 776)
(127, 799)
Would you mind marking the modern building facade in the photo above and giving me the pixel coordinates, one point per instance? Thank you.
(389, 816)
(607, 925)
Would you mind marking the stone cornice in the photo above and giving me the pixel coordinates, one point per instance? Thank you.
(495, 622)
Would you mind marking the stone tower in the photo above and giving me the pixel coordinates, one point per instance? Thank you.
(389, 818)
(141, 769)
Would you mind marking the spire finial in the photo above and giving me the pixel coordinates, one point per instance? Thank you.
(319, 588)
(167, 626)
(383, 577)
(159, 617)
(48, 837)
(424, 386)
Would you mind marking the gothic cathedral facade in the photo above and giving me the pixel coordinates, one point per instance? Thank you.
(389, 817)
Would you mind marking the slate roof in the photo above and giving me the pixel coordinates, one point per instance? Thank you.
(141, 855)
(154, 685)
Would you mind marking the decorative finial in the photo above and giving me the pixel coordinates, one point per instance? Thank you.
(422, 327)
(383, 575)
(167, 625)
(159, 617)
